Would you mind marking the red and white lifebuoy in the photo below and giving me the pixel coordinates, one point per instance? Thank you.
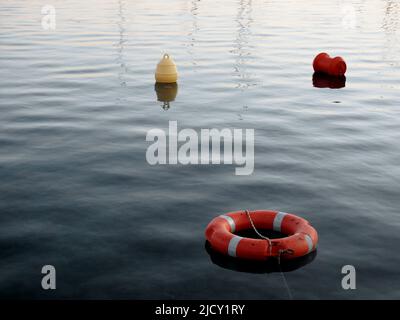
(301, 237)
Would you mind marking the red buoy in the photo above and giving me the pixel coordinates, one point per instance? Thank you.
(332, 66)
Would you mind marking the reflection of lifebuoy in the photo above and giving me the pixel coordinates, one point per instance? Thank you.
(302, 238)
(268, 266)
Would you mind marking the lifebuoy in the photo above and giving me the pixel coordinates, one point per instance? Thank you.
(302, 237)
(258, 266)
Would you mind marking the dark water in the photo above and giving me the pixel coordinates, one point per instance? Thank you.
(76, 103)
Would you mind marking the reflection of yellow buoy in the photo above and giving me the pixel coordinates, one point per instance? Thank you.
(166, 70)
(166, 93)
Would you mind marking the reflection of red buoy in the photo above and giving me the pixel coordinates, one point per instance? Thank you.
(332, 66)
(323, 80)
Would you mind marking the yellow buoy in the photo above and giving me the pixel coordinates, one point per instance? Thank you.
(166, 93)
(166, 70)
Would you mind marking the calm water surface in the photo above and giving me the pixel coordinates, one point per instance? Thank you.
(76, 104)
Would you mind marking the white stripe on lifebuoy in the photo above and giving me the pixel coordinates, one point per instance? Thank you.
(230, 221)
(278, 221)
(233, 245)
(309, 243)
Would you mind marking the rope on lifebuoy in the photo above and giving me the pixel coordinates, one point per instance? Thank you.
(258, 233)
(270, 248)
